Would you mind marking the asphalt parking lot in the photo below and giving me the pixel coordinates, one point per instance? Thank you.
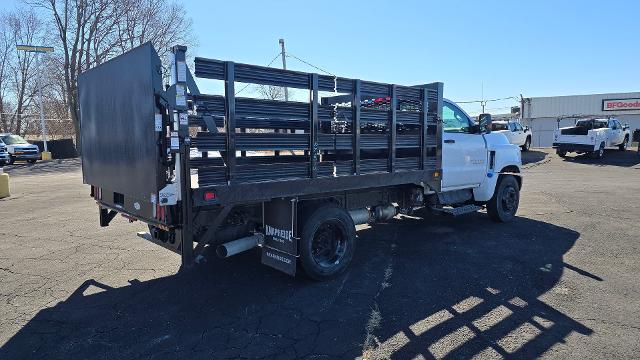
(561, 281)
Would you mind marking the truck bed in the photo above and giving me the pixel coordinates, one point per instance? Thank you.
(575, 139)
(395, 139)
(359, 135)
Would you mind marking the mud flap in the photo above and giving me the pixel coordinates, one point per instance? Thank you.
(280, 249)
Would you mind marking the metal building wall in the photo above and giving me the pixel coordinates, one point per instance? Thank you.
(542, 113)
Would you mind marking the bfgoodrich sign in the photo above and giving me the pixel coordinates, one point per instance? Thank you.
(620, 104)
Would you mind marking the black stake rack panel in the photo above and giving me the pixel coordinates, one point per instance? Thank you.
(368, 134)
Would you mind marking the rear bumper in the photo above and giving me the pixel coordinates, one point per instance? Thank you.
(573, 147)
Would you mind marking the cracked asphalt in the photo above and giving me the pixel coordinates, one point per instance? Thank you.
(561, 281)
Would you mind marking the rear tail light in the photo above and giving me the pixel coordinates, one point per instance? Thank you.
(209, 196)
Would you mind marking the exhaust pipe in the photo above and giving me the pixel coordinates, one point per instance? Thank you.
(378, 213)
(360, 216)
(384, 212)
(237, 246)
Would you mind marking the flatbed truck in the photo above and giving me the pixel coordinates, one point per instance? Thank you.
(292, 178)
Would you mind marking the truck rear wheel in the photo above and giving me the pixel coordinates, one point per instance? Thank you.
(625, 143)
(561, 153)
(598, 154)
(327, 242)
(503, 205)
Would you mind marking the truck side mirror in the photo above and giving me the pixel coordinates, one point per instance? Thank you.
(526, 129)
(625, 126)
(484, 120)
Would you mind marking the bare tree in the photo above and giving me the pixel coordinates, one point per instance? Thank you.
(5, 61)
(18, 73)
(271, 92)
(161, 22)
(26, 28)
(92, 31)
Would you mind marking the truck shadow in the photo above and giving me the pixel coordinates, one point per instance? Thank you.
(533, 156)
(48, 167)
(416, 287)
(611, 157)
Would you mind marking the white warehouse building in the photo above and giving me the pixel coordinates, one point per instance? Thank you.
(545, 114)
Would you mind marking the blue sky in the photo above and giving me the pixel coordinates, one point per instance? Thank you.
(537, 48)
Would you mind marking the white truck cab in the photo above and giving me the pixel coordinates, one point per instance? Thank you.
(474, 160)
(514, 131)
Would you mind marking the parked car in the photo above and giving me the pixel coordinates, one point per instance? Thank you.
(591, 136)
(4, 155)
(515, 133)
(20, 149)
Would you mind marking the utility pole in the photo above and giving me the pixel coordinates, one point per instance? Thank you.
(482, 102)
(39, 50)
(284, 66)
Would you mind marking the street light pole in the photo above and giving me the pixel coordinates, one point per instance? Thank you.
(44, 128)
(38, 50)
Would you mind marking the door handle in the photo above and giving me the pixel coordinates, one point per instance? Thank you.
(450, 141)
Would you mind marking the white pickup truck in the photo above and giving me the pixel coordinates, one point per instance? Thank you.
(20, 149)
(515, 133)
(591, 136)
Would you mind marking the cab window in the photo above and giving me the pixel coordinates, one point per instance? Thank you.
(454, 120)
(518, 127)
(499, 126)
(599, 124)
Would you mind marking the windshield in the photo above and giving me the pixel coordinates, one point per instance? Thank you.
(499, 126)
(13, 140)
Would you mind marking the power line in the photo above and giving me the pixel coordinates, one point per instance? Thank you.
(269, 64)
(485, 101)
(309, 64)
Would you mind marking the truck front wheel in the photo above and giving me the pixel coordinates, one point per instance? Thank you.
(327, 242)
(503, 205)
(527, 144)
